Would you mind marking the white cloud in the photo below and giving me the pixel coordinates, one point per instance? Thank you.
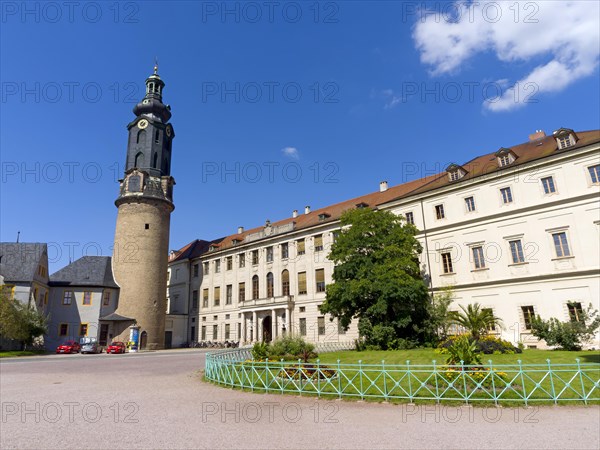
(563, 35)
(291, 152)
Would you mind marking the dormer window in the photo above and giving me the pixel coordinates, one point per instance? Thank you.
(505, 157)
(565, 138)
(236, 241)
(455, 172)
(213, 247)
(362, 205)
(324, 216)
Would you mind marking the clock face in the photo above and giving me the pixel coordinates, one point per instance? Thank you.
(145, 102)
(169, 131)
(142, 124)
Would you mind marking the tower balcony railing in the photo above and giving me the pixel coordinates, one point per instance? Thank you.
(286, 301)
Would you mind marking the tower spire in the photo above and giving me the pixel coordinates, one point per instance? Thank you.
(156, 65)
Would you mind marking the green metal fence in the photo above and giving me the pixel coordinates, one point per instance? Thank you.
(487, 383)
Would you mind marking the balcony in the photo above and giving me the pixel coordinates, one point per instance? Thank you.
(283, 301)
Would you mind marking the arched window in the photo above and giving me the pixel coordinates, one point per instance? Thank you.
(150, 87)
(270, 287)
(141, 137)
(139, 160)
(285, 283)
(156, 137)
(255, 287)
(155, 160)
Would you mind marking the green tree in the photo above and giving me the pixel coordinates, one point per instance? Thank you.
(377, 278)
(570, 335)
(476, 320)
(20, 322)
(438, 318)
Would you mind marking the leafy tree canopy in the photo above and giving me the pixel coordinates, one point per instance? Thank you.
(19, 322)
(377, 277)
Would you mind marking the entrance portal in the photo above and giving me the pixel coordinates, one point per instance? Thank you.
(143, 340)
(266, 329)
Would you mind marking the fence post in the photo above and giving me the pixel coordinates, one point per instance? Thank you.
(383, 372)
(462, 372)
(360, 377)
(300, 373)
(551, 382)
(339, 379)
(267, 374)
(282, 378)
(522, 381)
(435, 376)
(409, 381)
(318, 379)
(581, 379)
(252, 379)
(493, 382)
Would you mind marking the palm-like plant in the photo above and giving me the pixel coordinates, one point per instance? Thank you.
(475, 319)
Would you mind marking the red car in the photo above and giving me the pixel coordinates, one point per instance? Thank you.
(116, 347)
(68, 347)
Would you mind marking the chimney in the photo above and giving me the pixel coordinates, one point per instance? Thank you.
(539, 134)
(295, 213)
(240, 230)
(383, 186)
(306, 209)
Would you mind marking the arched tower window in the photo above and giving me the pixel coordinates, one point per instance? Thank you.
(156, 137)
(270, 285)
(139, 160)
(155, 160)
(141, 137)
(255, 287)
(285, 283)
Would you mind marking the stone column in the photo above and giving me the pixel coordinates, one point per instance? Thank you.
(273, 325)
(288, 320)
(253, 327)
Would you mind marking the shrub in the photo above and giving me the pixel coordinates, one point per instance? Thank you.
(487, 345)
(569, 335)
(287, 348)
(260, 350)
(464, 350)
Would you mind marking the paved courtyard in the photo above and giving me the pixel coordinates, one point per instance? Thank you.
(157, 400)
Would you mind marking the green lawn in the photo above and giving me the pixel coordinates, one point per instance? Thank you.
(426, 356)
(12, 354)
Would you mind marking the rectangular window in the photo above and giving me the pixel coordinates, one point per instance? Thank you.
(229, 261)
(447, 263)
(241, 292)
(335, 235)
(205, 298)
(195, 299)
(528, 316)
(594, 173)
(506, 195)
(516, 251)
(478, 258)
(470, 204)
(83, 329)
(321, 325)
(564, 141)
(505, 160)
(227, 328)
(206, 268)
(302, 326)
(575, 311)
(217, 300)
(439, 212)
(203, 333)
(561, 246)
(269, 254)
(87, 299)
(215, 332)
(410, 218)
(301, 283)
(300, 246)
(285, 251)
(318, 243)
(228, 294)
(63, 329)
(242, 260)
(67, 297)
(217, 265)
(491, 327)
(302, 309)
(195, 270)
(548, 185)
(254, 257)
(255, 288)
(320, 278)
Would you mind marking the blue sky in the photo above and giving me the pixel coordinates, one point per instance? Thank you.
(275, 105)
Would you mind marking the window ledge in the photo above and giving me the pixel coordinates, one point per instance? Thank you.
(480, 270)
(524, 263)
(447, 274)
(560, 258)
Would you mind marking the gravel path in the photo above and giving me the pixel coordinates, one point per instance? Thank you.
(157, 400)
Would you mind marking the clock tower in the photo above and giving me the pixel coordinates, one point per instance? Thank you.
(145, 203)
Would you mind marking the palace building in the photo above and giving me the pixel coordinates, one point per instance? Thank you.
(515, 230)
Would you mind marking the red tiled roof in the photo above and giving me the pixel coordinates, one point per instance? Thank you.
(478, 166)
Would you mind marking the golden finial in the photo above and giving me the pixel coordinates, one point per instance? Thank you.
(155, 66)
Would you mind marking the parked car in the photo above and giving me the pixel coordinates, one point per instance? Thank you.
(68, 347)
(116, 347)
(89, 345)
